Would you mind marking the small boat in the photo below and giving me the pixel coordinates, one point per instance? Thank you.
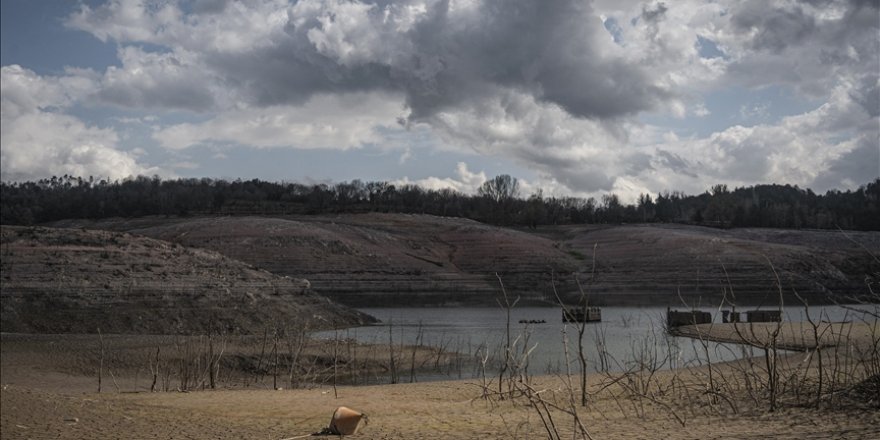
(532, 321)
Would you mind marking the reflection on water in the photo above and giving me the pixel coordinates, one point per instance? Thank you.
(626, 338)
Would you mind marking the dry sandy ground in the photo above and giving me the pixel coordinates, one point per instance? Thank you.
(420, 411)
(41, 404)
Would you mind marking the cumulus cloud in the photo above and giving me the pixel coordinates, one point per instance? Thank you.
(325, 121)
(557, 87)
(212, 25)
(157, 80)
(817, 149)
(39, 141)
(439, 53)
(466, 182)
(44, 144)
(26, 92)
(580, 153)
(807, 45)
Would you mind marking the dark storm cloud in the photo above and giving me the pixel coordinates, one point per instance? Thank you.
(868, 94)
(654, 13)
(776, 28)
(799, 47)
(545, 49)
(791, 26)
(441, 58)
(781, 27)
(542, 83)
(209, 6)
(282, 75)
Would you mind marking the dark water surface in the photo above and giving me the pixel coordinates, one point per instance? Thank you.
(626, 338)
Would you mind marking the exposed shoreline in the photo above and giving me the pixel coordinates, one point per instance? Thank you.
(791, 336)
(722, 400)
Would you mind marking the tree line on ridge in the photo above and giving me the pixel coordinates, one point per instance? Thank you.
(498, 201)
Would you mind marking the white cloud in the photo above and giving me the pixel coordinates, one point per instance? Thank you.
(437, 53)
(758, 111)
(326, 121)
(543, 84)
(345, 32)
(186, 165)
(171, 80)
(802, 149)
(237, 26)
(128, 20)
(467, 182)
(39, 141)
(579, 153)
(44, 144)
(26, 92)
(701, 111)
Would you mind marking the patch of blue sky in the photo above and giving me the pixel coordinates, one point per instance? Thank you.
(424, 153)
(103, 114)
(736, 105)
(414, 138)
(151, 48)
(291, 164)
(709, 49)
(33, 35)
(614, 29)
(846, 135)
(369, 163)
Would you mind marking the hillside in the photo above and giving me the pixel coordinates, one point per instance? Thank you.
(400, 259)
(636, 263)
(376, 259)
(80, 281)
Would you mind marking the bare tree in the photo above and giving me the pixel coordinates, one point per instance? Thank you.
(500, 188)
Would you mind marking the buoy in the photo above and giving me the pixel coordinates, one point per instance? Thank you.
(346, 421)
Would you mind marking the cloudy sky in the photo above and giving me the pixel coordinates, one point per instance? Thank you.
(572, 97)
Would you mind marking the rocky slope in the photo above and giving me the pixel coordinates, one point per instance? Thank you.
(80, 281)
(396, 259)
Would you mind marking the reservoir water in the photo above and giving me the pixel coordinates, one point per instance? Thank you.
(626, 338)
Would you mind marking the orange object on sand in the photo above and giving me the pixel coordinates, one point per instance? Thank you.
(346, 421)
